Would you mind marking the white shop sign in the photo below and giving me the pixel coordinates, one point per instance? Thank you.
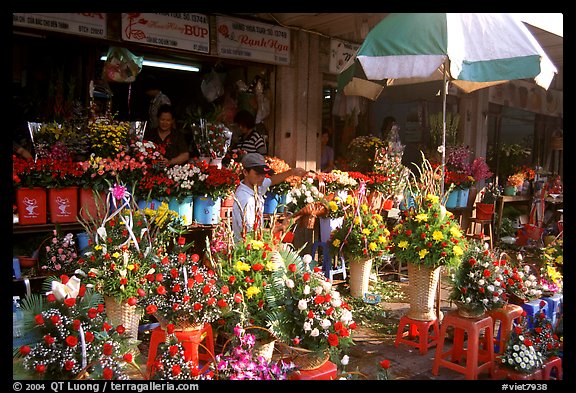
(180, 30)
(340, 53)
(81, 23)
(254, 41)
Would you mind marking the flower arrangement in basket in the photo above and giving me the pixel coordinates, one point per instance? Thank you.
(183, 292)
(187, 178)
(74, 338)
(336, 206)
(60, 254)
(171, 364)
(362, 152)
(247, 268)
(238, 360)
(306, 312)
(427, 233)
(521, 282)
(521, 354)
(478, 282)
(306, 201)
(121, 251)
(363, 232)
(336, 181)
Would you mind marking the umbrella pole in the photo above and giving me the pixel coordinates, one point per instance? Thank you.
(444, 87)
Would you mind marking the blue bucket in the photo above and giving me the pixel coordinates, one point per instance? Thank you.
(184, 208)
(206, 210)
(153, 204)
(463, 197)
(274, 203)
(453, 197)
(83, 238)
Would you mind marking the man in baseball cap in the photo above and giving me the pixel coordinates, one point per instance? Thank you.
(247, 212)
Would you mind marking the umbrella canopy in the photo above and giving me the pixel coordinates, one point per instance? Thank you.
(472, 51)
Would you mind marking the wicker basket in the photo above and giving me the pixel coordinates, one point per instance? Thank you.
(422, 286)
(468, 311)
(123, 314)
(305, 359)
(308, 214)
(359, 276)
(182, 324)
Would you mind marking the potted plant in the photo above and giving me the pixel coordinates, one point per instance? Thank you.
(477, 283)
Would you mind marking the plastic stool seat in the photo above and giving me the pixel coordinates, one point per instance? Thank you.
(504, 318)
(328, 265)
(190, 339)
(418, 334)
(551, 365)
(477, 359)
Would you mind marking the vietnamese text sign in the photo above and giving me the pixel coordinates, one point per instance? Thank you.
(181, 30)
(254, 41)
(340, 53)
(81, 23)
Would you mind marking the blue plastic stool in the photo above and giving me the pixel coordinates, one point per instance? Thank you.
(555, 303)
(532, 308)
(327, 267)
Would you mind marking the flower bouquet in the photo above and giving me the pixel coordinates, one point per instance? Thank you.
(490, 193)
(75, 339)
(183, 292)
(60, 254)
(108, 138)
(239, 362)
(362, 152)
(100, 173)
(213, 139)
(306, 202)
(478, 282)
(521, 354)
(521, 283)
(336, 182)
(278, 165)
(188, 180)
(219, 182)
(306, 312)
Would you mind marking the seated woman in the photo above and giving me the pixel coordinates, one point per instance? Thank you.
(166, 136)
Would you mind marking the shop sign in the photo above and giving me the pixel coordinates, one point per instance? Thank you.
(178, 30)
(248, 40)
(81, 23)
(340, 53)
(527, 96)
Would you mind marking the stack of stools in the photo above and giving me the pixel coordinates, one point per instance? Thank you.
(504, 320)
(479, 357)
(191, 341)
(417, 333)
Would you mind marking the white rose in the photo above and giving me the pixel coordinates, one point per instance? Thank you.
(302, 305)
(306, 289)
(315, 332)
(325, 323)
(307, 259)
(307, 326)
(345, 360)
(289, 283)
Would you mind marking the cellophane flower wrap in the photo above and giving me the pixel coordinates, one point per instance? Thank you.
(478, 282)
(73, 335)
(187, 178)
(521, 354)
(238, 362)
(180, 290)
(306, 311)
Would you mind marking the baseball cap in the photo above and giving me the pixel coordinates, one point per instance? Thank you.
(256, 162)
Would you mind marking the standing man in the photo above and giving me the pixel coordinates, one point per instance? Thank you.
(249, 196)
(157, 99)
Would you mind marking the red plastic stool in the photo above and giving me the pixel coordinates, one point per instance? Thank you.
(504, 318)
(501, 372)
(190, 340)
(418, 334)
(477, 359)
(554, 363)
(327, 371)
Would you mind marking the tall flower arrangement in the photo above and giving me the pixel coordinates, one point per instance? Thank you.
(181, 291)
(75, 336)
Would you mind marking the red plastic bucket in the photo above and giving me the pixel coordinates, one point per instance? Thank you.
(63, 204)
(31, 203)
(484, 211)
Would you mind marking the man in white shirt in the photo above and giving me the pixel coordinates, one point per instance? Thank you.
(249, 196)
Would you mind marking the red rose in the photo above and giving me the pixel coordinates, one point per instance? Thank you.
(69, 365)
(100, 308)
(48, 339)
(120, 329)
(92, 313)
(151, 309)
(70, 302)
(222, 303)
(170, 328)
(176, 370)
(161, 290)
(141, 292)
(385, 364)
(107, 349)
(106, 326)
(197, 307)
(25, 350)
(71, 341)
(194, 258)
(132, 301)
(107, 373)
(333, 339)
(173, 350)
(40, 368)
(51, 297)
(296, 340)
(127, 357)
(55, 319)
(292, 267)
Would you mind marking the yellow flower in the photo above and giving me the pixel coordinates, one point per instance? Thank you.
(364, 208)
(356, 220)
(333, 206)
(257, 244)
(559, 259)
(270, 266)
(116, 255)
(423, 253)
(242, 267)
(455, 231)
(458, 251)
(252, 291)
(366, 231)
(336, 243)
(130, 267)
(403, 244)
(432, 198)
(422, 217)
(373, 246)
(381, 239)
(437, 235)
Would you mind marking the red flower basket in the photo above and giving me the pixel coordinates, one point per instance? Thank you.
(484, 211)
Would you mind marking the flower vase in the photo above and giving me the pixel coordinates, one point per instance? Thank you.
(63, 204)
(510, 191)
(327, 225)
(463, 198)
(152, 204)
(359, 276)
(422, 286)
(31, 203)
